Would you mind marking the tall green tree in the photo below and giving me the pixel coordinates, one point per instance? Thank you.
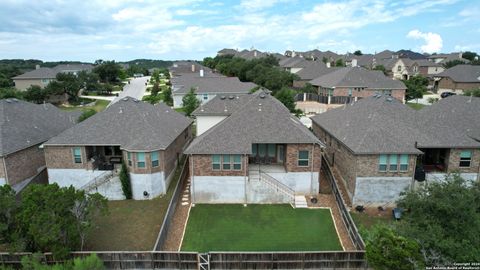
(358, 53)
(287, 97)
(108, 71)
(190, 102)
(8, 212)
(36, 94)
(70, 84)
(167, 96)
(339, 63)
(416, 87)
(444, 218)
(453, 63)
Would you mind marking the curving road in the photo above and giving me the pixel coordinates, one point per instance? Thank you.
(135, 89)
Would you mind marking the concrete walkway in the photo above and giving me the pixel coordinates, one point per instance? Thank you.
(99, 97)
(136, 89)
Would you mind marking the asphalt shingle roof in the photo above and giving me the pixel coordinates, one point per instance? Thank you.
(357, 77)
(261, 119)
(24, 124)
(51, 73)
(385, 125)
(313, 71)
(133, 125)
(222, 105)
(210, 83)
(462, 73)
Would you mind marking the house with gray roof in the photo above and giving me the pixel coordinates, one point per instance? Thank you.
(42, 76)
(380, 147)
(24, 127)
(258, 153)
(207, 85)
(357, 82)
(147, 138)
(458, 79)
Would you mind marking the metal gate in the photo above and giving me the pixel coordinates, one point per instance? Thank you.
(204, 261)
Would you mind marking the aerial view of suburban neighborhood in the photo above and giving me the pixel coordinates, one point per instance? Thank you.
(243, 134)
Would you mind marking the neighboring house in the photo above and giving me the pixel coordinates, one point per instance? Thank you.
(443, 58)
(226, 52)
(428, 68)
(42, 76)
(182, 67)
(364, 60)
(458, 79)
(258, 153)
(310, 72)
(149, 139)
(207, 86)
(380, 146)
(357, 82)
(404, 68)
(24, 127)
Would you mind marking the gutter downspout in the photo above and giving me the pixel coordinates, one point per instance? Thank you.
(245, 177)
(5, 169)
(412, 186)
(193, 183)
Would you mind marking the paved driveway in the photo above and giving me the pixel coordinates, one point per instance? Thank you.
(135, 89)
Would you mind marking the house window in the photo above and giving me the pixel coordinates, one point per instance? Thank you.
(271, 150)
(350, 92)
(237, 162)
(382, 163)
(399, 68)
(77, 155)
(465, 158)
(154, 157)
(205, 96)
(140, 160)
(403, 163)
(303, 158)
(129, 158)
(226, 162)
(393, 162)
(216, 162)
(261, 149)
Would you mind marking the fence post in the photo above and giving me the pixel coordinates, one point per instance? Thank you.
(304, 96)
(329, 100)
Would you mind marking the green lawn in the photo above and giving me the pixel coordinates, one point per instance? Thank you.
(259, 228)
(99, 106)
(416, 106)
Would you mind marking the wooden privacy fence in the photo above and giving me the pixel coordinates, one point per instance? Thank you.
(214, 260)
(167, 220)
(347, 219)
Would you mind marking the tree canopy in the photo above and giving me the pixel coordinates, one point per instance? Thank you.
(416, 87)
(453, 63)
(108, 71)
(358, 52)
(190, 102)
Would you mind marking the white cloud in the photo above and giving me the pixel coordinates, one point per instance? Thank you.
(433, 41)
(254, 5)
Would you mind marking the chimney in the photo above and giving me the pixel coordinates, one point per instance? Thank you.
(37, 66)
(254, 53)
(328, 64)
(354, 62)
(201, 72)
(193, 67)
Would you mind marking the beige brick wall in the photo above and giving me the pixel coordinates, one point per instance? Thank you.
(291, 157)
(202, 166)
(454, 161)
(24, 164)
(24, 84)
(174, 150)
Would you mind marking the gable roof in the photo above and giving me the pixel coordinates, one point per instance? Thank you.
(211, 84)
(462, 73)
(370, 126)
(51, 73)
(383, 125)
(426, 63)
(132, 124)
(313, 71)
(24, 124)
(260, 119)
(357, 77)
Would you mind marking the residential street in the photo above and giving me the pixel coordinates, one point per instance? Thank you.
(135, 89)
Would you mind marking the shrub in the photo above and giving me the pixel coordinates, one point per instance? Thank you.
(125, 180)
(86, 114)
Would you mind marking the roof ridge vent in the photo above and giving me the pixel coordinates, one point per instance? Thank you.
(125, 99)
(231, 97)
(262, 96)
(389, 99)
(223, 97)
(259, 107)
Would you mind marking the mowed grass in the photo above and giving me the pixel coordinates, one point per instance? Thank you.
(259, 228)
(99, 106)
(416, 106)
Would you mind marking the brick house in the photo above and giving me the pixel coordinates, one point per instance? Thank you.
(458, 79)
(378, 145)
(148, 138)
(357, 82)
(258, 153)
(25, 126)
(207, 85)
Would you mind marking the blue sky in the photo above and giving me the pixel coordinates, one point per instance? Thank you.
(192, 29)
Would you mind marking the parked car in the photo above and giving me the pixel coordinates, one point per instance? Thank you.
(447, 94)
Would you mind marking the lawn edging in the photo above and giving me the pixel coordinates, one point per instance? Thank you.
(162, 234)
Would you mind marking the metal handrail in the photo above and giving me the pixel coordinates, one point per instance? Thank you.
(279, 185)
(97, 181)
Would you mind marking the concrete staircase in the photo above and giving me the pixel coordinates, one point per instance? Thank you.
(98, 181)
(300, 202)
